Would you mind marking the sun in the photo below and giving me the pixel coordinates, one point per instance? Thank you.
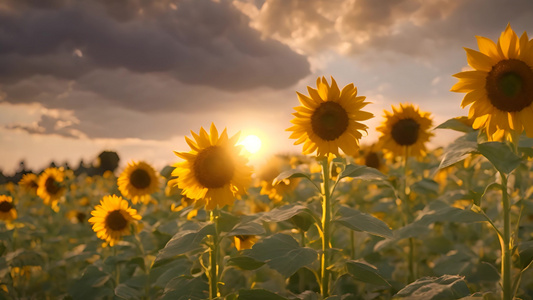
(252, 143)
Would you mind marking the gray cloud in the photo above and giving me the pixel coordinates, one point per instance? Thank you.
(49, 125)
(197, 41)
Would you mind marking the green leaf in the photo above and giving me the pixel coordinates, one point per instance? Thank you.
(289, 174)
(356, 220)
(460, 149)
(245, 263)
(362, 173)
(282, 253)
(365, 272)
(259, 294)
(439, 211)
(456, 124)
(22, 257)
(433, 288)
(408, 231)
(285, 212)
(425, 186)
(176, 267)
(126, 292)
(184, 242)
(186, 288)
(91, 285)
(500, 155)
(247, 227)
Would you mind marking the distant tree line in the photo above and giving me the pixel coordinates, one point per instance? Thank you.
(105, 161)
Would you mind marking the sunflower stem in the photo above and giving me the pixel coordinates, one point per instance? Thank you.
(505, 242)
(326, 220)
(213, 258)
(407, 213)
(146, 267)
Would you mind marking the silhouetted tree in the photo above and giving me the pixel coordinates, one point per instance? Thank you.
(107, 161)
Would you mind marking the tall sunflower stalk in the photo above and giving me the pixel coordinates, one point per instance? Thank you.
(328, 120)
(214, 253)
(326, 231)
(500, 92)
(407, 215)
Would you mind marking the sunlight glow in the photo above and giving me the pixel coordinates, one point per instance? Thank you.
(251, 143)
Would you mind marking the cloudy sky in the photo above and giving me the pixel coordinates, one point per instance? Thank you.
(135, 76)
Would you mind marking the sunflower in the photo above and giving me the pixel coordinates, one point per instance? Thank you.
(371, 157)
(500, 88)
(138, 181)
(29, 183)
(50, 187)
(8, 212)
(266, 174)
(111, 219)
(328, 119)
(243, 242)
(405, 127)
(214, 170)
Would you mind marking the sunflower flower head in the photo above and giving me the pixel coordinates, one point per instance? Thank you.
(328, 119)
(214, 170)
(138, 181)
(500, 88)
(8, 212)
(406, 126)
(29, 183)
(243, 242)
(111, 219)
(51, 187)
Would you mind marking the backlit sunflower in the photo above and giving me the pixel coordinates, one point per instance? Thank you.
(29, 183)
(214, 170)
(406, 126)
(243, 242)
(8, 212)
(328, 119)
(51, 187)
(500, 88)
(111, 219)
(266, 174)
(372, 157)
(138, 181)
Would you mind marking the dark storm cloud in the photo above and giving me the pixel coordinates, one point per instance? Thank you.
(196, 41)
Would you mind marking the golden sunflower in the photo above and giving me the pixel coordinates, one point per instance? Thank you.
(50, 187)
(272, 168)
(111, 219)
(328, 119)
(29, 183)
(138, 181)
(8, 212)
(405, 127)
(371, 157)
(500, 88)
(243, 242)
(214, 169)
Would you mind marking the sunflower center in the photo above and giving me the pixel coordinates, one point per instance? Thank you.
(116, 221)
(405, 132)
(509, 85)
(5, 206)
(213, 167)
(372, 160)
(140, 179)
(329, 121)
(52, 187)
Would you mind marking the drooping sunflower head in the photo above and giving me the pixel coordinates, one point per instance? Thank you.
(51, 187)
(329, 119)
(29, 183)
(214, 170)
(138, 181)
(111, 219)
(8, 212)
(406, 127)
(500, 88)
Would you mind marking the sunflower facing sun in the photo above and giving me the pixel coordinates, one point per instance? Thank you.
(214, 170)
(112, 218)
(50, 187)
(405, 127)
(500, 88)
(138, 181)
(328, 119)
(8, 212)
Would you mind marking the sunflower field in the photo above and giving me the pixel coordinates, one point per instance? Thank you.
(340, 220)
